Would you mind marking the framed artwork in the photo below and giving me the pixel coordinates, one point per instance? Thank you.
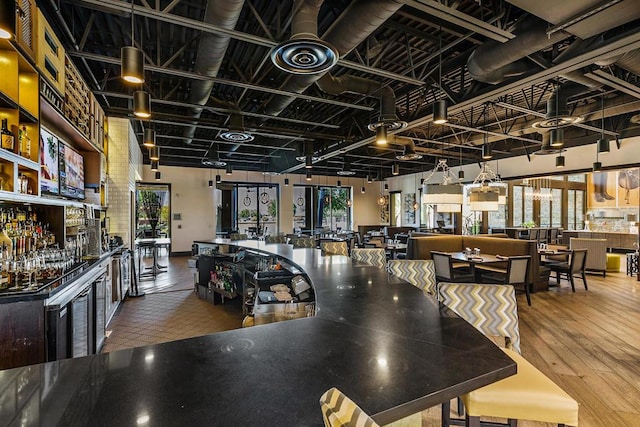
(384, 211)
(613, 189)
(628, 187)
(409, 213)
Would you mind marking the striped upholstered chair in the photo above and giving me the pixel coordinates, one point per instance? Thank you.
(420, 273)
(335, 248)
(527, 395)
(237, 236)
(340, 411)
(371, 256)
(276, 239)
(304, 242)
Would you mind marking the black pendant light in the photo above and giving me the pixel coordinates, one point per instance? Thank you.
(131, 58)
(363, 190)
(597, 166)
(381, 135)
(556, 138)
(155, 164)
(141, 104)
(603, 143)
(286, 182)
(308, 164)
(309, 176)
(154, 153)
(210, 183)
(149, 139)
(158, 176)
(560, 161)
(229, 169)
(369, 179)
(395, 169)
(487, 152)
(7, 19)
(218, 179)
(440, 112)
(338, 183)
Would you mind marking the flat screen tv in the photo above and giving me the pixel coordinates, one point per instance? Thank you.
(49, 177)
(71, 172)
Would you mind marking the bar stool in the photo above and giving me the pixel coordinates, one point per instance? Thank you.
(632, 263)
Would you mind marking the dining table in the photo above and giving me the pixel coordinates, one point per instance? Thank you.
(478, 260)
(154, 244)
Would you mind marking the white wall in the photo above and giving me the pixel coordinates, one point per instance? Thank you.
(195, 201)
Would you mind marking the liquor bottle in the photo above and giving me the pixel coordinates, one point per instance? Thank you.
(24, 142)
(6, 242)
(8, 140)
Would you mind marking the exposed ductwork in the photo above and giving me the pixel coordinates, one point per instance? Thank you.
(212, 49)
(352, 84)
(358, 22)
(304, 52)
(236, 132)
(558, 114)
(493, 62)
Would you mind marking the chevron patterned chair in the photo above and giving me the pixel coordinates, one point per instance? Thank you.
(237, 236)
(527, 395)
(304, 242)
(340, 411)
(335, 248)
(371, 256)
(276, 239)
(420, 273)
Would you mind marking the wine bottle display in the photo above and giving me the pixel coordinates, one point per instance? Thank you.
(8, 139)
(24, 142)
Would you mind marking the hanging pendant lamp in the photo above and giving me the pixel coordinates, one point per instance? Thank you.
(149, 139)
(7, 19)
(440, 112)
(132, 68)
(155, 164)
(487, 152)
(560, 161)
(154, 153)
(158, 176)
(141, 104)
(556, 138)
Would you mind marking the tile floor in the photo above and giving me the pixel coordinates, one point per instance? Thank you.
(168, 311)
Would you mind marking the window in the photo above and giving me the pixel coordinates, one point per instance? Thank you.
(335, 212)
(152, 210)
(248, 208)
(517, 205)
(395, 208)
(577, 178)
(575, 210)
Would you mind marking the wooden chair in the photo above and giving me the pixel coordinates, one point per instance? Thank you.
(420, 273)
(527, 395)
(534, 233)
(371, 256)
(543, 235)
(553, 236)
(568, 270)
(445, 271)
(515, 275)
(334, 248)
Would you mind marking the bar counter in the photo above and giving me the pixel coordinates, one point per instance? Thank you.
(391, 349)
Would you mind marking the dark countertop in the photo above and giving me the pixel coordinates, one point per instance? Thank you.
(51, 287)
(391, 349)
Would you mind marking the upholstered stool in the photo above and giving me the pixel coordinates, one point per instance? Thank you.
(613, 263)
(529, 395)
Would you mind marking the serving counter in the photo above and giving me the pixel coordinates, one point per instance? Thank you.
(380, 340)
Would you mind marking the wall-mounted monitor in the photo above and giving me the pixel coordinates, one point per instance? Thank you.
(49, 163)
(71, 172)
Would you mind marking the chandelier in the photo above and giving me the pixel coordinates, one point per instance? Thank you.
(537, 188)
(488, 191)
(447, 193)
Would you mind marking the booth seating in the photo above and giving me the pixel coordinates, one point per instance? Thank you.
(276, 239)
(334, 248)
(420, 273)
(597, 253)
(527, 395)
(371, 256)
(421, 248)
(304, 242)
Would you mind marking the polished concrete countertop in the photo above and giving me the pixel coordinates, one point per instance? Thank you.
(391, 349)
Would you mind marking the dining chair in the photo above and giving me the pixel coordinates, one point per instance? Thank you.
(533, 234)
(553, 236)
(443, 264)
(275, 239)
(568, 270)
(371, 256)
(419, 272)
(237, 236)
(543, 235)
(340, 411)
(334, 248)
(515, 275)
(304, 242)
(527, 395)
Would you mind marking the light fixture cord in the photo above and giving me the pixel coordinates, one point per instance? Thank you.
(132, 25)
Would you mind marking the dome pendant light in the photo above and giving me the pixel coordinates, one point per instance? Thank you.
(141, 104)
(7, 19)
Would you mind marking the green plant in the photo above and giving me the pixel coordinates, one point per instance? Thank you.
(245, 213)
(529, 224)
(273, 208)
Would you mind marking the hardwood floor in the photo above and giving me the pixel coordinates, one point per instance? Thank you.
(588, 342)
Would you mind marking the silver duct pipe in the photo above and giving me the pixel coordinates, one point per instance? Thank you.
(343, 84)
(557, 102)
(493, 62)
(358, 22)
(223, 13)
(630, 61)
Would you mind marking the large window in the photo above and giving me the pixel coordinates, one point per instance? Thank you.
(551, 209)
(575, 210)
(152, 210)
(335, 208)
(518, 192)
(248, 208)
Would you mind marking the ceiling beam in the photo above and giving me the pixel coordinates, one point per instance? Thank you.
(121, 6)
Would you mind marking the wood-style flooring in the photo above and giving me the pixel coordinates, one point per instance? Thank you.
(588, 342)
